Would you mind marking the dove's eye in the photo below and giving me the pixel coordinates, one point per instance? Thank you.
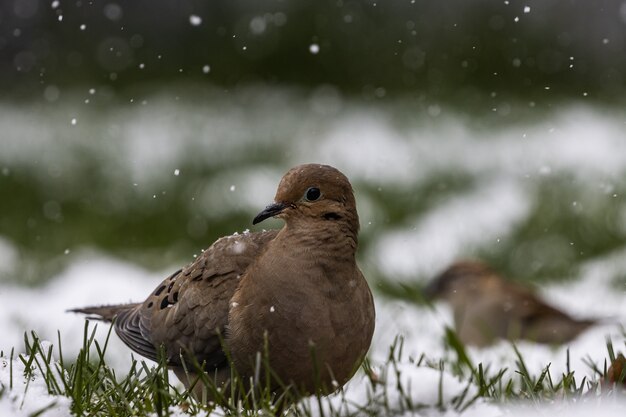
(312, 194)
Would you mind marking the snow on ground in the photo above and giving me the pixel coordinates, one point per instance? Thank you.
(420, 389)
(582, 140)
(29, 396)
(365, 144)
(144, 145)
(96, 279)
(444, 233)
(90, 280)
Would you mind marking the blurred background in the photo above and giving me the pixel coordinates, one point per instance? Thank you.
(139, 132)
(464, 52)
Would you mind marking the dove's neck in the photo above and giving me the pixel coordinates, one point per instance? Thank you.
(323, 240)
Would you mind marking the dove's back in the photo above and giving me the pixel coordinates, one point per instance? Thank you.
(188, 311)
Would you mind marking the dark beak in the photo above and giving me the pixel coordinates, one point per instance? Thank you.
(270, 211)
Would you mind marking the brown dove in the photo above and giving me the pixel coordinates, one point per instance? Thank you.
(298, 289)
(487, 307)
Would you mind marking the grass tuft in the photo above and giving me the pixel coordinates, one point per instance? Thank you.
(88, 386)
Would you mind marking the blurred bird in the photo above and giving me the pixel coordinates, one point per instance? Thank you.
(297, 289)
(487, 307)
(616, 374)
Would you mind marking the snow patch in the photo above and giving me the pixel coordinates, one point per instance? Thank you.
(90, 280)
(29, 395)
(435, 239)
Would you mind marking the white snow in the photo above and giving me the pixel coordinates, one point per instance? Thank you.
(28, 396)
(90, 280)
(432, 241)
(195, 20)
(577, 140)
(148, 143)
(256, 186)
(237, 246)
(95, 279)
(420, 388)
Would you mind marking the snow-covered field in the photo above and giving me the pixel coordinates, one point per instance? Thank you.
(506, 166)
(95, 278)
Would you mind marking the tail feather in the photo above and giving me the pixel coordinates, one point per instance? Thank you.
(104, 312)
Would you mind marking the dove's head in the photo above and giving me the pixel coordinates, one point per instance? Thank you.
(461, 279)
(313, 193)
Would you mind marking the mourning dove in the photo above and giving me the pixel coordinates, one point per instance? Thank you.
(488, 307)
(298, 289)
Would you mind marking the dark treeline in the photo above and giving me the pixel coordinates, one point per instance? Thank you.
(452, 48)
